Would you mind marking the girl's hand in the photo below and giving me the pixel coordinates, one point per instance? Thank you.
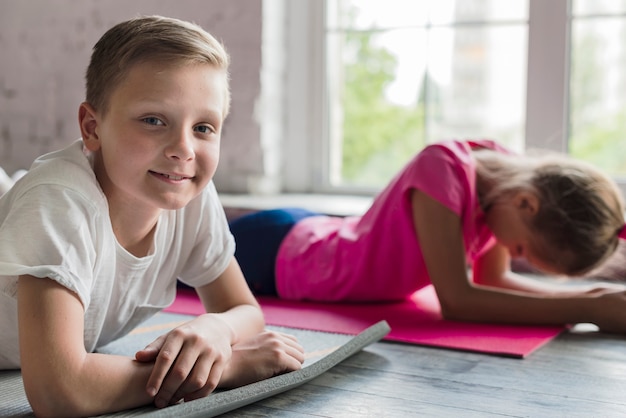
(609, 311)
(189, 360)
(604, 288)
(267, 354)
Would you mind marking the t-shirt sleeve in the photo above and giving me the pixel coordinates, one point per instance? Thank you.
(214, 245)
(48, 232)
(443, 174)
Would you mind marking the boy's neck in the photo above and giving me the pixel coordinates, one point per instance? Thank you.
(135, 239)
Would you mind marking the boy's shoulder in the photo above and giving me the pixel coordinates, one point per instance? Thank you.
(68, 168)
(71, 156)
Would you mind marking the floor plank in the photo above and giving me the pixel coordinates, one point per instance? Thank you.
(576, 375)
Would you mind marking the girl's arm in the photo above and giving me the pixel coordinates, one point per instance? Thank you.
(60, 377)
(439, 233)
(493, 269)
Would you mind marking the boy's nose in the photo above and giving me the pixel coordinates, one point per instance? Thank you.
(180, 146)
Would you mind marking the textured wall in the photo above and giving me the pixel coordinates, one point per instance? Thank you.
(44, 50)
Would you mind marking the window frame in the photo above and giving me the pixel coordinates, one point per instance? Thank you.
(307, 146)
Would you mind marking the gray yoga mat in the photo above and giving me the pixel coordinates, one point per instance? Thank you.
(323, 351)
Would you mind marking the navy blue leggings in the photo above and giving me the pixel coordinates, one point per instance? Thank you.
(258, 236)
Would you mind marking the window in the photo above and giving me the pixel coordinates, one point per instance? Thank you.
(371, 82)
(598, 84)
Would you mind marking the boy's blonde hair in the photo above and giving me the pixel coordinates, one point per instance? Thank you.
(581, 209)
(149, 39)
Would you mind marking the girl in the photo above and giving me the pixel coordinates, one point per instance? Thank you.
(455, 203)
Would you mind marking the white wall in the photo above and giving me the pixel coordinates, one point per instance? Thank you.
(44, 50)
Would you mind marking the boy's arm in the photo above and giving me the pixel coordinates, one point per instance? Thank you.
(439, 233)
(225, 346)
(190, 359)
(256, 355)
(230, 299)
(60, 377)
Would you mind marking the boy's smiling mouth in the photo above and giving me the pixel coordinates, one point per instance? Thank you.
(173, 177)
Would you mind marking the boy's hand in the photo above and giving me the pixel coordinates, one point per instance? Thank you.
(189, 360)
(267, 354)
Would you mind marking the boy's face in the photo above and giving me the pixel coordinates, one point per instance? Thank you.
(158, 144)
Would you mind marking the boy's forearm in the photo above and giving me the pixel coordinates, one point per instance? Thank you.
(244, 322)
(104, 383)
(124, 379)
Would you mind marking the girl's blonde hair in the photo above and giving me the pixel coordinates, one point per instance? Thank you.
(581, 209)
(149, 39)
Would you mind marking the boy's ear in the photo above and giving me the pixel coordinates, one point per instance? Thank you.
(88, 122)
(527, 202)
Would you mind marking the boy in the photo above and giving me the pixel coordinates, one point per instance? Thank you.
(93, 238)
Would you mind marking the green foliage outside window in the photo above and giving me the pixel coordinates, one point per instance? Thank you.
(378, 136)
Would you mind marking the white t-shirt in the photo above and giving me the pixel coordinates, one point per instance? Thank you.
(55, 223)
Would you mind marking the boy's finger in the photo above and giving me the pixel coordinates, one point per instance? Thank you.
(213, 373)
(198, 382)
(150, 352)
(165, 359)
(287, 336)
(146, 355)
(178, 374)
(296, 353)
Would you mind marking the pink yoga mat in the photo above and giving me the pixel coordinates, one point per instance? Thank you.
(415, 321)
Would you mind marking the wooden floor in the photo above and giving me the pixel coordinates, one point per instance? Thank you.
(580, 374)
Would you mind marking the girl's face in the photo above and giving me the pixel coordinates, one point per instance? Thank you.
(510, 221)
(157, 146)
(509, 228)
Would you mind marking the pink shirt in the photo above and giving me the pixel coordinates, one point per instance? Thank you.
(376, 257)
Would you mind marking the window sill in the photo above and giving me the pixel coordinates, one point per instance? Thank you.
(339, 205)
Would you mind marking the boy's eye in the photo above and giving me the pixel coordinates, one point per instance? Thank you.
(204, 129)
(151, 120)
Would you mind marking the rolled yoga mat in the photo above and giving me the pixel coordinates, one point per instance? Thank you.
(322, 351)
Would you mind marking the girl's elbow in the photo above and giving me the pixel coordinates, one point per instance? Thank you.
(453, 309)
(449, 313)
